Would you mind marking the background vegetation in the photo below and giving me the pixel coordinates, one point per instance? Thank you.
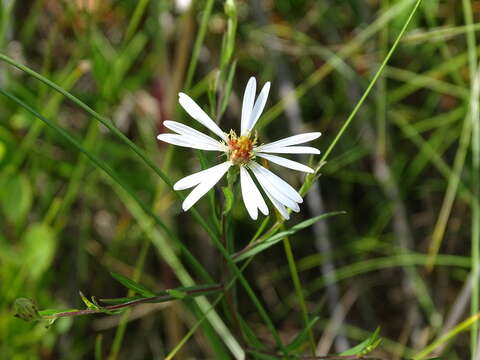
(81, 204)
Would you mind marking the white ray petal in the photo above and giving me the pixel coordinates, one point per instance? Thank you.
(287, 163)
(281, 209)
(187, 141)
(248, 198)
(292, 140)
(198, 114)
(280, 184)
(258, 107)
(206, 184)
(251, 196)
(247, 106)
(195, 179)
(274, 190)
(183, 129)
(288, 150)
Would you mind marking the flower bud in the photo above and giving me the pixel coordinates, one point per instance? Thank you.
(26, 309)
(230, 8)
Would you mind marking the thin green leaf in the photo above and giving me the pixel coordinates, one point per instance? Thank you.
(365, 346)
(228, 88)
(89, 304)
(53, 312)
(264, 245)
(133, 285)
(302, 336)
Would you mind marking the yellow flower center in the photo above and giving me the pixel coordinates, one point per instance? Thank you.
(240, 148)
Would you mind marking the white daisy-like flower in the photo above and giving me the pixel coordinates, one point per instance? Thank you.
(241, 151)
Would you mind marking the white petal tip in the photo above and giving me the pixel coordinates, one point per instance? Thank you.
(186, 207)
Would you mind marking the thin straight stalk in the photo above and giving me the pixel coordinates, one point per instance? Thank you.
(475, 231)
(135, 19)
(299, 290)
(381, 96)
(371, 85)
(207, 11)
(122, 326)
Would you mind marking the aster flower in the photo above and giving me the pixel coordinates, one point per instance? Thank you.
(241, 151)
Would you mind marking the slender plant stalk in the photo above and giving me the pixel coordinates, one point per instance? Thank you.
(127, 304)
(381, 95)
(135, 19)
(299, 290)
(452, 187)
(207, 11)
(474, 116)
(251, 294)
(122, 326)
(98, 347)
(371, 84)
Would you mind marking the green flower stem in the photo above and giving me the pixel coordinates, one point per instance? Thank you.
(263, 313)
(298, 289)
(228, 242)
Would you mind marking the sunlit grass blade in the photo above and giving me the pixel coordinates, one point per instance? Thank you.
(463, 326)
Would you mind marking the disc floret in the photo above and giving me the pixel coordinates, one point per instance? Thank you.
(240, 148)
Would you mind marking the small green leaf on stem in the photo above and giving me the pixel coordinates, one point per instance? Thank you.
(260, 246)
(177, 294)
(228, 193)
(365, 346)
(89, 304)
(132, 285)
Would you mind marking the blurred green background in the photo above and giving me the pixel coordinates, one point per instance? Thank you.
(402, 171)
